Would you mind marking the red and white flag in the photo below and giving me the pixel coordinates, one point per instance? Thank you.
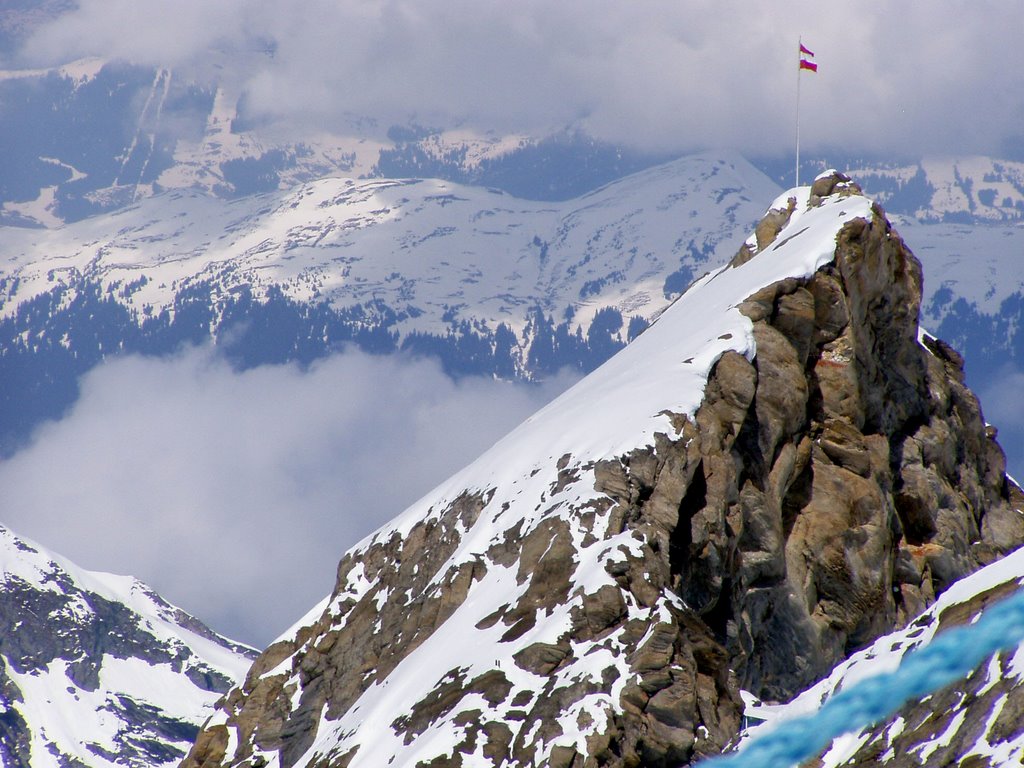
(806, 54)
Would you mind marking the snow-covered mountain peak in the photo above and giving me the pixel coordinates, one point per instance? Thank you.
(634, 411)
(598, 585)
(99, 670)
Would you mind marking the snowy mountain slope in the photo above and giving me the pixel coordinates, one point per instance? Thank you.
(974, 286)
(96, 135)
(90, 136)
(98, 670)
(976, 721)
(981, 265)
(491, 284)
(686, 519)
(420, 246)
(964, 189)
(952, 189)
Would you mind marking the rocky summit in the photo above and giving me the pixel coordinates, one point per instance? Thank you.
(779, 471)
(98, 670)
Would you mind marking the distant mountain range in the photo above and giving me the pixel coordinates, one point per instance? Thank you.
(488, 283)
(95, 135)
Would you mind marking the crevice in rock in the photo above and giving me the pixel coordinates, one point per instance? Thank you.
(916, 515)
(748, 447)
(643, 494)
(681, 540)
(721, 613)
(915, 519)
(796, 498)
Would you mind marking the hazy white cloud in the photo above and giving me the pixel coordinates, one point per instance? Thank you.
(918, 76)
(235, 494)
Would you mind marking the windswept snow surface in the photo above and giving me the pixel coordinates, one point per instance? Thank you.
(154, 664)
(620, 407)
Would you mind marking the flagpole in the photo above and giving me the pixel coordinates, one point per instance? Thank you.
(799, 57)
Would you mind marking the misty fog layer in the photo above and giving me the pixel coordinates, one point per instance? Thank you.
(235, 494)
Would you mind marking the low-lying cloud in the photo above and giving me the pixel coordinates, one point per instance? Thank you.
(663, 75)
(235, 494)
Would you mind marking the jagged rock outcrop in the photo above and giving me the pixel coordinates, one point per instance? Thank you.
(862, 480)
(776, 473)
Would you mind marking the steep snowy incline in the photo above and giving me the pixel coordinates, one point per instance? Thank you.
(596, 585)
(676, 359)
(98, 670)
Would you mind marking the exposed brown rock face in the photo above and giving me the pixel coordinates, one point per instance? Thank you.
(820, 496)
(862, 481)
(335, 664)
(847, 475)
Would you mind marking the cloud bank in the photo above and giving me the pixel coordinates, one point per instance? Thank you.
(663, 75)
(235, 494)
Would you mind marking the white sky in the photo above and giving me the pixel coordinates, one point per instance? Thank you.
(942, 76)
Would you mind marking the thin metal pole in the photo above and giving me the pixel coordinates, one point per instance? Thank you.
(800, 43)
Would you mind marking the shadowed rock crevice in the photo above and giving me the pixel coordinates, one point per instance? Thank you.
(681, 538)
